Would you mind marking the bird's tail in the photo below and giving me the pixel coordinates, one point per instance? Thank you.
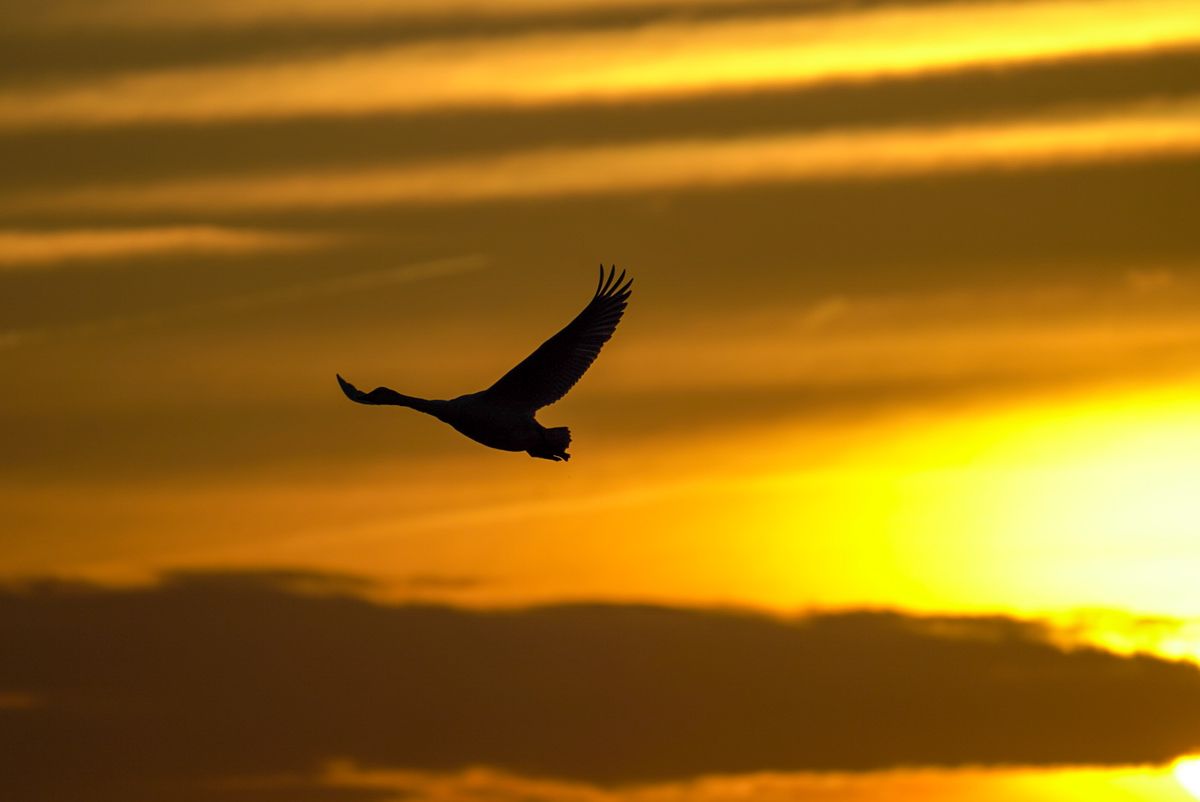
(558, 439)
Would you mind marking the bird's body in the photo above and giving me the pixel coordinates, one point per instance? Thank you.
(502, 416)
(508, 428)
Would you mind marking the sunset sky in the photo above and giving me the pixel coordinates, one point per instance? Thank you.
(886, 487)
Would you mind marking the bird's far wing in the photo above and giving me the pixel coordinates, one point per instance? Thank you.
(549, 372)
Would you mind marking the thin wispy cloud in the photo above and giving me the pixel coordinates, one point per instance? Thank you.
(232, 13)
(1037, 339)
(38, 250)
(289, 293)
(662, 60)
(1133, 131)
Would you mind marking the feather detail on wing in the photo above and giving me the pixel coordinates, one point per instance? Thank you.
(548, 373)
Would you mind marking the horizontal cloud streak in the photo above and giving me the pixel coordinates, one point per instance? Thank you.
(31, 250)
(978, 785)
(1115, 133)
(83, 156)
(286, 294)
(656, 61)
(210, 678)
(235, 13)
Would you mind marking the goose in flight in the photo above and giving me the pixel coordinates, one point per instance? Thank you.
(502, 415)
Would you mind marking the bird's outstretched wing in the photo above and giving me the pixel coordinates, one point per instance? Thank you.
(549, 372)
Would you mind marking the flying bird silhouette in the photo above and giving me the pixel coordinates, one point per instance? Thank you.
(502, 416)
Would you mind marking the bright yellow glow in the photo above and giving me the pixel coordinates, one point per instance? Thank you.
(1036, 509)
(978, 785)
(1128, 633)
(675, 59)
(1128, 131)
(1187, 773)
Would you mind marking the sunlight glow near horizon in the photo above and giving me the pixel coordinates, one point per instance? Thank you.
(1147, 784)
(1187, 773)
(1082, 504)
(1028, 510)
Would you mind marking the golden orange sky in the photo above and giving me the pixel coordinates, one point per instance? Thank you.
(914, 329)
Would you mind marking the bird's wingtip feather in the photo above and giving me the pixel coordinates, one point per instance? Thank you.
(612, 285)
(347, 388)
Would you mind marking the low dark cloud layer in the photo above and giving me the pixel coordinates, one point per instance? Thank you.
(171, 691)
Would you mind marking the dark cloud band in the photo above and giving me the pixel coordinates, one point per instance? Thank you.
(216, 676)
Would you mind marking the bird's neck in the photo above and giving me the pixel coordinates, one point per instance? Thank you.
(426, 405)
